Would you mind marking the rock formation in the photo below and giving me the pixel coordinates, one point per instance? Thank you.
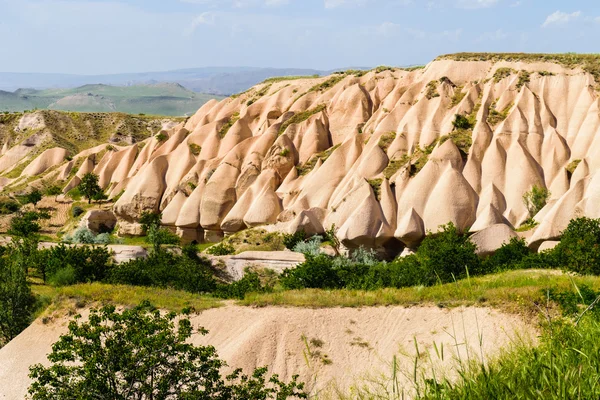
(381, 155)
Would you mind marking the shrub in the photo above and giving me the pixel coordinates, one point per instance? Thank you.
(291, 240)
(90, 264)
(63, 277)
(8, 206)
(445, 256)
(195, 149)
(82, 236)
(250, 283)
(579, 248)
(311, 247)
(164, 269)
(161, 137)
(221, 249)
(143, 354)
(536, 199)
(507, 257)
(461, 122)
(316, 272)
(33, 197)
(16, 299)
(77, 211)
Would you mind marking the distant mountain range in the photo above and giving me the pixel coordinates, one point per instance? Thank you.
(169, 99)
(223, 81)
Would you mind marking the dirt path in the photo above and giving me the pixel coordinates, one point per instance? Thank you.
(329, 348)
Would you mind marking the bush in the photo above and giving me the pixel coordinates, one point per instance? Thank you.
(90, 264)
(220, 249)
(316, 272)
(167, 270)
(310, 248)
(250, 283)
(446, 256)
(143, 354)
(63, 277)
(536, 199)
(579, 248)
(291, 240)
(507, 257)
(77, 211)
(8, 206)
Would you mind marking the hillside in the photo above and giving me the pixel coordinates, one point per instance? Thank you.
(381, 155)
(156, 99)
(213, 80)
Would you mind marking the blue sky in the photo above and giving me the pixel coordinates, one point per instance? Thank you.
(112, 36)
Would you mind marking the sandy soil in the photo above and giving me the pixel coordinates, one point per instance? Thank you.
(343, 347)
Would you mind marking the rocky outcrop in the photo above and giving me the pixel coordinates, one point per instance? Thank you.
(99, 221)
(375, 154)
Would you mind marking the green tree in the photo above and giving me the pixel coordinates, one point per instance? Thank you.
(536, 199)
(54, 191)
(155, 234)
(89, 187)
(141, 354)
(33, 197)
(16, 299)
(25, 225)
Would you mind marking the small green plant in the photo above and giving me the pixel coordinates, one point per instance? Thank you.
(524, 78)
(161, 137)
(285, 152)
(195, 149)
(502, 73)
(386, 140)
(536, 199)
(221, 249)
(376, 186)
(495, 116)
(432, 90)
(573, 166)
(228, 124)
(461, 122)
(301, 117)
(77, 211)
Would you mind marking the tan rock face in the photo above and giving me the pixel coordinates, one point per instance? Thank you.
(374, 154)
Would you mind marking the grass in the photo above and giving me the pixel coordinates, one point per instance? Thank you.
(459, 95)
(432, 90)
(524, 78)
(276, 79)
(254, 240)
(301, 117)
(495, 116)
(376, 186)
(590, 63)
(225, 128)
(386, 140)
(502, 73)
(514, 291)
(310, 164)
(573, 166)
(167, 299)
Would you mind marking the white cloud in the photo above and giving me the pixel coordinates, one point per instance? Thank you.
(470, 4)
(560, 18)
(239, 3)
(206, 18)
(339, 3)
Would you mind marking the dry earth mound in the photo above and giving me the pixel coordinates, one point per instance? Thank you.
(329, 348)
(381, 155)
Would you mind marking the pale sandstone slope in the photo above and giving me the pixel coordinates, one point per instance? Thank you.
(363, 151)
(360, 343)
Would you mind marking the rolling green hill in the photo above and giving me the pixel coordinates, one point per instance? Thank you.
(158, 99)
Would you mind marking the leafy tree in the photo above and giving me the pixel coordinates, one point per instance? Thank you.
(446, 255)
(141, 354)
(89, 187)
(155, 234)
(25, 225)
(33, 197)
(536, 199)
(579, 247)
(461, 122)
(16, 299)
(54, 191)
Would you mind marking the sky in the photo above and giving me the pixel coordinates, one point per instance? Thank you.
(117, 36)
